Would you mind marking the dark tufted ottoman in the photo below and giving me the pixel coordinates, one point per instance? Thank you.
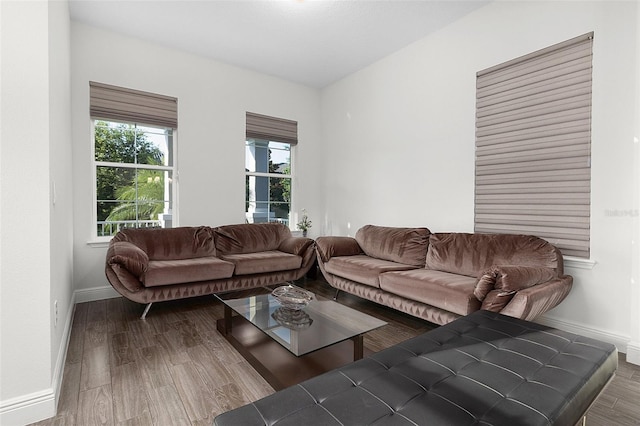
(484, 368)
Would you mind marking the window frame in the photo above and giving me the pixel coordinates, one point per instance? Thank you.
(268, 175)
(173, 169)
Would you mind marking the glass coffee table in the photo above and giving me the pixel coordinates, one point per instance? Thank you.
(287, 347)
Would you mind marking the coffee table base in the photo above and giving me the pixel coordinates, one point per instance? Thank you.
(279, 367)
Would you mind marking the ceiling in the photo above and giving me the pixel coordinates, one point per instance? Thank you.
(312, 42)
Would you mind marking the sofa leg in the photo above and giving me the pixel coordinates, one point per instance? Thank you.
(335, 297)
(146, 310)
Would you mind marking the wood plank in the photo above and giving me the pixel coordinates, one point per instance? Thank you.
(172, 352)
(96, 370)
(153, 369)
(76, 337)
(121, 350)
(252, 385)
(69, 394)
(211, 370)
(143, 420)
(166, 407)
(116, 320)
(98, 311)
(198, 401)
(129, 394)
(143, 333)
(95, 407)
(229, 396)
(95, 334)
(186, 334)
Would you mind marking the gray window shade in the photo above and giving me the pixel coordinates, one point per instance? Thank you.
(533, 146)
(272, 128)
(133, 106)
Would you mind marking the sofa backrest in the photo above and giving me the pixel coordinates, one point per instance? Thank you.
(171, 243)
(250, 237)
(473, 254)
(402, 245)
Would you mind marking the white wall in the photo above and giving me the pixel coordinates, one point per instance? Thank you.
(633, 350)
(399, 140)
(212, 101)
(35, 254)
(60, 185)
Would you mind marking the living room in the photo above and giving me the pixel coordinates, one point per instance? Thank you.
(391, 144)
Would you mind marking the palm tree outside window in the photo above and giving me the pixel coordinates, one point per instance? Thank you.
(134, 169)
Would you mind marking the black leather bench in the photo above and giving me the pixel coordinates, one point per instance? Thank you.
(485, 368)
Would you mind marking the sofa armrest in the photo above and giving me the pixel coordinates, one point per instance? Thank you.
(532, 302)
(295, 245)
(328, 247)
(510, 279)
(128, 256)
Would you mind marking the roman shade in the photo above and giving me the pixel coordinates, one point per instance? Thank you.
(133, 106)
(272, 128)
(533, 144)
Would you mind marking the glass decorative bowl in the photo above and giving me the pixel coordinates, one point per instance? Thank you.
(292, 319)
(291, 297)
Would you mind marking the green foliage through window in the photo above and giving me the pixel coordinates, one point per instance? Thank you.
(133, 175)
(268, 181)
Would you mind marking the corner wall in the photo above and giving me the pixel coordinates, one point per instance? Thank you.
(633, 349)
(35, 261)
(400, 139)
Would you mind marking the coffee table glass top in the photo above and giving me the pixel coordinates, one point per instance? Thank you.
(322, 323)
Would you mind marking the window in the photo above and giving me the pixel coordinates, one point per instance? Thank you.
(533, 146)
(268, 168)
(268, 181)
(134, 176)
(134, 163)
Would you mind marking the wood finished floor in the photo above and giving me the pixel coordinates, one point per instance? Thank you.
(174, 368)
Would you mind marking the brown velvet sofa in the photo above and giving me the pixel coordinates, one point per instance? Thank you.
(153, 265)
(443, 276)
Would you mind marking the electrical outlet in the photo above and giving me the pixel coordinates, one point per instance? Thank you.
(55, 311)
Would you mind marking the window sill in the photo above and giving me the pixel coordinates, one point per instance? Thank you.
(99, 243)
(578, 263)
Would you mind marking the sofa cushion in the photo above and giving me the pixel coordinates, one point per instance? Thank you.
(451, 292)
(472, 254)
(328, 247)
(264, 261)
(171, 243)
(166, 272)
(362, 268)
(295, 245)
(250, 237)
(402, 245)
(510, 279)
(496, 300)
(129, 256)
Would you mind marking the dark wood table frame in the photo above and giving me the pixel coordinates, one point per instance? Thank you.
(279, 367)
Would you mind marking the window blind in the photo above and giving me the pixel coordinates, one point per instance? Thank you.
(533, 146)
(134, 106)
(272, 128)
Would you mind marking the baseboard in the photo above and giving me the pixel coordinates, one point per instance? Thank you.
(40, 405)
(27, 409)
(633, 353)
(621, 342)
(95, 293)
(58, 373)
